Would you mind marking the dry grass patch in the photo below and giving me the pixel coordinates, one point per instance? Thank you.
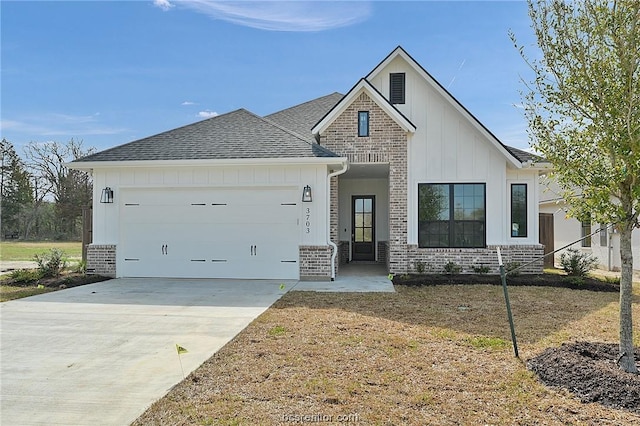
(429, 355)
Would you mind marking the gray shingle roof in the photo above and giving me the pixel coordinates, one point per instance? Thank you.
(301, 118)
(524, 156)
(238, 134)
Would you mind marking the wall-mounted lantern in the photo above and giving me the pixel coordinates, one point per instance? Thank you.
(107, 196)
(306, 194)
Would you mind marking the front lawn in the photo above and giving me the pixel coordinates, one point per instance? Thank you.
(26, 250)
(424, 355)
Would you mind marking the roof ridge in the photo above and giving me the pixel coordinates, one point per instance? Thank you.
(304, 103)
(296, 134)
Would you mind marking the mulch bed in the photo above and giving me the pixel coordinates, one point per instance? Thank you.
(590, 371)
(542, 280)
(63, 281)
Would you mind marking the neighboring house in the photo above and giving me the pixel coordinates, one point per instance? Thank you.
(605, 245)
(396, 172)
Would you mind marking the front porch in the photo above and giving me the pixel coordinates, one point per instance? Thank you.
(355, 277)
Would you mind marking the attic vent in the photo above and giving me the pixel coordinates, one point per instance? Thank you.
(396, 88)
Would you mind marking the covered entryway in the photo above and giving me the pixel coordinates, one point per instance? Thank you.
(210, 233)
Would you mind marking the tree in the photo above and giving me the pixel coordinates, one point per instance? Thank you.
(15, 189)
(71, 190)
(583, 109)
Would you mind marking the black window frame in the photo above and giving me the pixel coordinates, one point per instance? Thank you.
(585, 232)
(397, 87)
(360, 133)
(525, 215)
(451, 222)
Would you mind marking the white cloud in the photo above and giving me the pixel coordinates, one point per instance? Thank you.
(187, 103)
(283, 15)
(207, 114)
(163, 4)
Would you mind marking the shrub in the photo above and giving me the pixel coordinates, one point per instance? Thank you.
(452, 268)
(482, 269)
(25, 275)
(420, 267)
(512, 268)
(576, 263)
(81, 267)
(52, 263)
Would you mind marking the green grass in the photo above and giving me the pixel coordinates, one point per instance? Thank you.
(17, 251)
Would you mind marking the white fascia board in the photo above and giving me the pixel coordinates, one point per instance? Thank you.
(364, 86)
(399, 51)
(90, 165)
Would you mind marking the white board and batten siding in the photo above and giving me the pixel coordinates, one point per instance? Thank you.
(208, 222)
(448, 148)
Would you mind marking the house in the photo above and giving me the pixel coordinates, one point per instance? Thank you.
(574, 233)
(395, 172)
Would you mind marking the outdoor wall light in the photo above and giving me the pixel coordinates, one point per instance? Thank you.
(306, 194)
(107, 196)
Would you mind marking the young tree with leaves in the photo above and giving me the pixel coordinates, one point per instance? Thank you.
(583, 109)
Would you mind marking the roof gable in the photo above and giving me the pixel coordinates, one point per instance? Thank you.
(363, 86)
(399, 52)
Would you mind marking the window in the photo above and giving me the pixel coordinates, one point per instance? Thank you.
(586, 232)
(518, 210)
(603, 235)
(451, 215)
(396, 88)
(363, 123)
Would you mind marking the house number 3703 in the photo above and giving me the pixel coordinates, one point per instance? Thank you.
(307, 220)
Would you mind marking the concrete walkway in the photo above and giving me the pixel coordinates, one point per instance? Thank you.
(100, 354)
(353, 278)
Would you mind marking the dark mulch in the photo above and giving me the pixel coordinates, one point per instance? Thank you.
(590, 371)
(64, 281)
(543, 280)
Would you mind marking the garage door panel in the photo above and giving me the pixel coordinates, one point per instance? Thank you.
(226, 233)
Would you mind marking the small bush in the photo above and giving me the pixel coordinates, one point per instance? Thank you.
(482, 269)
(25, 275)
(452, 268)
(420, 267)
(573, 280)
(52, 263)
(576, 263)
(81, 267)
(512, 268)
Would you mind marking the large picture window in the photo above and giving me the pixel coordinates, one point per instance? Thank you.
(451, 215)
(518, 210)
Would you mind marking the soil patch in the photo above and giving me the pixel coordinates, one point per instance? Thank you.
(590, 371)
(542, 280)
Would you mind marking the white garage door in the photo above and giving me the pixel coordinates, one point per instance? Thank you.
(209, 233)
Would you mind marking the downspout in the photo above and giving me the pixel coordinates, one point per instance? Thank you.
(345, 167)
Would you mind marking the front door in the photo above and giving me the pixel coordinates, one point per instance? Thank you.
(363, 235)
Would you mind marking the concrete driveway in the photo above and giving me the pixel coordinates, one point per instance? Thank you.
(100, 354)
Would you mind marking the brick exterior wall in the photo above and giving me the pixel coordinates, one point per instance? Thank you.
(101, 259)
(433, 260)
(383, 249)
(386, 143)
(315, 263)
(343, 248)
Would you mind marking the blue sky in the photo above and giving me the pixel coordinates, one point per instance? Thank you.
(112, 72)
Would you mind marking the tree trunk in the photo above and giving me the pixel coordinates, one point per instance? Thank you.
(627, 360)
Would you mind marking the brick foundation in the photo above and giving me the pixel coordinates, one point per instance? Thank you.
(433, 261)
(315, 263)
(101, 260)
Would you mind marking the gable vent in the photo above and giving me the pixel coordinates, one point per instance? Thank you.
(396, 87)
